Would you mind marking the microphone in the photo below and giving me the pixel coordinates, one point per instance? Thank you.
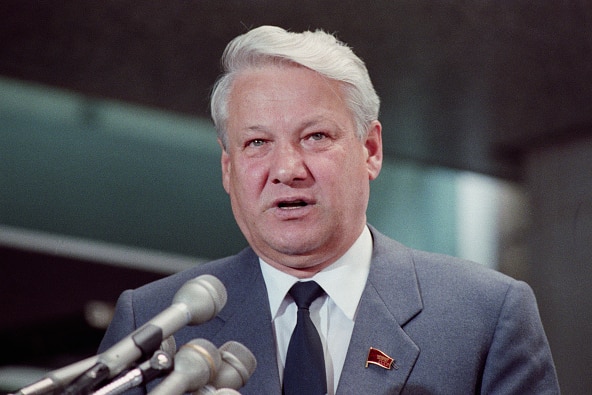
(161, 362)
(58, 379)
(209, 390)
(197, 301)
(196, 364)
(238, 364)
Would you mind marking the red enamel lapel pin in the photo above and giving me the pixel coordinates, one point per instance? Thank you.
(377, 357)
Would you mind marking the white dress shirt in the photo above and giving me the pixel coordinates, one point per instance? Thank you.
(332, 314)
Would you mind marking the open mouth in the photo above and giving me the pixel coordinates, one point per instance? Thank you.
(292, 204)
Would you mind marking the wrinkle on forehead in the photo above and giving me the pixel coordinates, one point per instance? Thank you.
(263, 99)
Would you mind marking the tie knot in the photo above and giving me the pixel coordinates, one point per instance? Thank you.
(305, 292)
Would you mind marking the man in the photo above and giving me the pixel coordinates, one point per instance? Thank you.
(296, 116)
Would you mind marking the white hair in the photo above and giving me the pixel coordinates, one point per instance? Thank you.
(318, 51)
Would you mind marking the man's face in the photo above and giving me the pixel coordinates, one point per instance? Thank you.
(297, 175)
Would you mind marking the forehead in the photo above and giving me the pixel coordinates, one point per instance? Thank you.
(287, 100)
(284, 87)
(282, 74)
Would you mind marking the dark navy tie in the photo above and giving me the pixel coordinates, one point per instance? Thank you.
(304, 373)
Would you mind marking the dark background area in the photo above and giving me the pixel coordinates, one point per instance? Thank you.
(45, 302)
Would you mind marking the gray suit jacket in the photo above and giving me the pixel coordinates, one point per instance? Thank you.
(452, 327)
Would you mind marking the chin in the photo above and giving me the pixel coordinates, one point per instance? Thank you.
(294, 245)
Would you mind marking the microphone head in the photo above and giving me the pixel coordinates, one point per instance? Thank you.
(204, 297)
(209, 390)
(238, 364)
(198, 361)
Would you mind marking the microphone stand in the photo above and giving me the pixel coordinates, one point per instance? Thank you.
(160, 363)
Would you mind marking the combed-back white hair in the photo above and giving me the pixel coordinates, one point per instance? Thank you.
(318, 51)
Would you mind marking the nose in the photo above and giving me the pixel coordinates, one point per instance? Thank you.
(288, 166)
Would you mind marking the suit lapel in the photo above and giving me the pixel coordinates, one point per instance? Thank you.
(248, 321)
(391, 298)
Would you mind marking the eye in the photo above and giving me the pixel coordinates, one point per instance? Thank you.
(317, 136)
(256, 143)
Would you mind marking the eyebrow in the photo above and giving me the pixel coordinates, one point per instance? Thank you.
(317, 120)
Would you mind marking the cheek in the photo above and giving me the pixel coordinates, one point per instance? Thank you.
(336, 178)
(349, 181)
(349, 167)
(247, 179)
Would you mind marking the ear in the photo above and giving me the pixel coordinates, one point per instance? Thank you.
(373, 145)
(225, 163)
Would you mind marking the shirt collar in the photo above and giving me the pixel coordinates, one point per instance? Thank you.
(343, 281)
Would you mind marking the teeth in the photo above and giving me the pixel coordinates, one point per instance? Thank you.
(298, 203)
